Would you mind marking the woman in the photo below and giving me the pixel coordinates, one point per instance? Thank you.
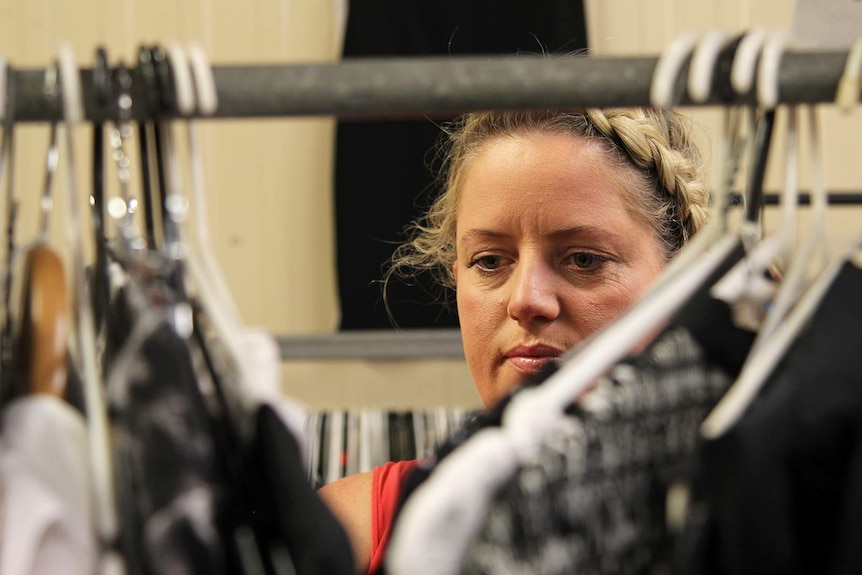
(550, 225)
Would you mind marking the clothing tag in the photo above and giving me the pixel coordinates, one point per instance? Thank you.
(826, 24)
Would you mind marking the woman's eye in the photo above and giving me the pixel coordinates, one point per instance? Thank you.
(585, 260)
(487, 262)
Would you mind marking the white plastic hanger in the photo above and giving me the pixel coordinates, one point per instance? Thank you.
(706, 53)
(746, 278)
(706, 49)
(850, 84)
(489, 458)
(207, 100)
(755, 373)
(789, 311)
(798, 276)
(667, 69)
(196, 90)
(105, 512)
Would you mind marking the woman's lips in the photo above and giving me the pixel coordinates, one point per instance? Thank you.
(529, 365)
(531, 359)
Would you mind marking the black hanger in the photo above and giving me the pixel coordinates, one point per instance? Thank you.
(102, 91)
(7, 165)
(762, 141)
(146, 73)
(165, 102)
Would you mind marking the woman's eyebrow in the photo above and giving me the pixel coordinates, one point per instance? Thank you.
(482, 233)
(593, 231)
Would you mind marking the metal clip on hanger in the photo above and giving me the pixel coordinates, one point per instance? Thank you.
(122, 209)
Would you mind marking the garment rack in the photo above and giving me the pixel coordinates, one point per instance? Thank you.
(421, 87)
(396, 88)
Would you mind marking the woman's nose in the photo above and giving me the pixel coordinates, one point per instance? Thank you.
(533, 293)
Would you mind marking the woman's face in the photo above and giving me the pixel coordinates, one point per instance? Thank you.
(548, 251)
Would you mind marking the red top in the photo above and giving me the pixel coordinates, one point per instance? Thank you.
(386, 484)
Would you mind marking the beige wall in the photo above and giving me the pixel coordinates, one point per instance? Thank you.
(269, 181)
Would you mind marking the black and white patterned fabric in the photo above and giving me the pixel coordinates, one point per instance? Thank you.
(594, 500)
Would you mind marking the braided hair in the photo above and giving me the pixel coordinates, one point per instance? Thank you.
(664, 176)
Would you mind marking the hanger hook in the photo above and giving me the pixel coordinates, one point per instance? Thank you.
(768, 69)
(847, 95)
(703, 61)
(667, 69)
(179, 66)
(205, 86)
(745, 60)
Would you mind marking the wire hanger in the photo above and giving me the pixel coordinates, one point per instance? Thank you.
(105, 512)
(42, 342)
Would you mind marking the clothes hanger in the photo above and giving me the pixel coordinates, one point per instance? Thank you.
(748, 279)
(847, 96)
(702, 50)
(42, 342)
(151, 196)
(207, 100)
(791, 311)
(493, 454)
(173, 203)
(7, 168)
(102, 90)
(799, 274)
(105, 512)
(208, 277)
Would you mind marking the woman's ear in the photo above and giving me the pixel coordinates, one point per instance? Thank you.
(455, 270)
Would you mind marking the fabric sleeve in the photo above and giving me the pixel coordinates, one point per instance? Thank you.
(386, 481)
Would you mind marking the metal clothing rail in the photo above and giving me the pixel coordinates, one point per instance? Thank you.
(374, 345)
(382, 88)
(399, 88)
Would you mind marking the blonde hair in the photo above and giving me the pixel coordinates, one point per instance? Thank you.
(664, 176)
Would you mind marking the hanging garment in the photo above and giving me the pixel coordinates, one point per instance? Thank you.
(624, 446)
(316, 542)
(594, 500)
(47, 522)
(387, 162)
(781, 490)
(386, 483)
(171, 488)
(274, 513)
